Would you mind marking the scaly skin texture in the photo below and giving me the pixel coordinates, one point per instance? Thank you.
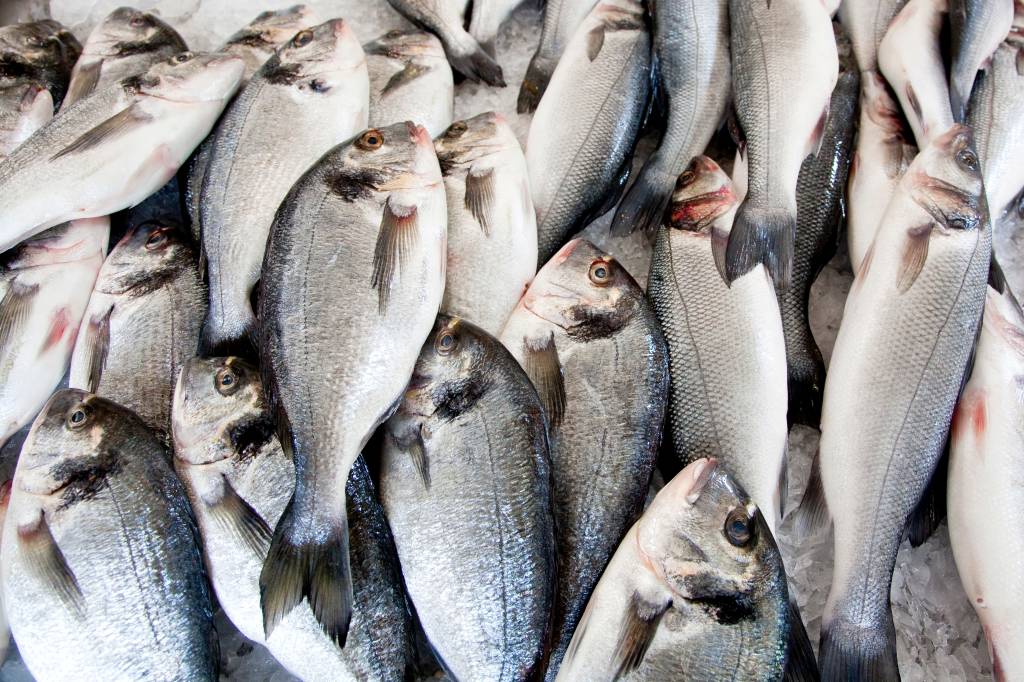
(40, 53)
(410, 80)
(977, 29)
(866, 22)
(24, 109)
(561, 19)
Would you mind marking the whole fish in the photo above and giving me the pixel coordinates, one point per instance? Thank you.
(561, 19)
(908, 331)
(465, 484)
(590, 343)
(410, 80)
(781, 87)
(487, 19)
(986, 477)
(126, 43)
(695, 591)
(691, 42)
(581, 139)
(882, 156)
(492, 227)
(977, 29)
(45, 284)
(38, 52)
(100, 552)
(443, 18)
(24, 109)
(142, 321)
(239, 481)
(910, 58)
(819, 199)
(866, 21)
(311, 95)
(351, 285)
(114, 148)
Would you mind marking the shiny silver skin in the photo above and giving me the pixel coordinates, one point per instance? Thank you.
(866, 21)
(487, 19)
(472, 521)
(315, 87)
(225, 450)
(581, 138)
(695, 591)
(410, 80)
(125, 594)
(24, 109)
(614, 365)
(492, 227)
(977, 28)
(908, 330)
(38, 52)
(142, 322)
(561, 19)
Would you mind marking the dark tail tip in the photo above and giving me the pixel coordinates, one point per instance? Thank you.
(215, 345)
(761, 235)
(958, 99)
(478, 66)
(849, 652)
(644, 204)
(535, 82)
(801, 665)
(805, 393)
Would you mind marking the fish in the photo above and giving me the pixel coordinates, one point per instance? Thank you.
(781, 89)
(465, 485)
(128, 42)
(316, 88)
(239, 480)
(492, 226)
(368, 219)
(908, 331)
(410, 80)
(142, 322)
(561, 19)
(42, 53)
(910, 58)
(866, 23)
(883, 154)
(45, 284)
(696, 591)
(977, 28)
(114, 148)
(5, 629)
(986, 469)
(24, 109)
(100, 552)
(582, 136)
(588, 339)
(487, 19)
(820, 198)
(443, 19)
(691, 43)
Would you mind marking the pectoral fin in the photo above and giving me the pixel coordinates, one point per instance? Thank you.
(595, 41)
(85, 78)
(639, 625)
(14, 311)
(411, 72)
(44, 558)
(545, 371)
(236, 516)
(915, 254)
(97, 341)
(118, 125)
(398, 235)
(480, 197)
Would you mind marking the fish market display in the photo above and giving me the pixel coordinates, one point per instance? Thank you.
(781, 90)
(465, 486)
(977, 27)
(592, 346)
(315, 86)
(410, 80)
(40, 52)
(350, 288)
(492, 228)
(561, 19)
(142, 322)
(239, 481)
(908, 330)
(866, 23)
(582, 135)
(100, 554)
(487, 19)
(696, 590)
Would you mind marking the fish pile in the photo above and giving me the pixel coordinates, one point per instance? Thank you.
(284, 340)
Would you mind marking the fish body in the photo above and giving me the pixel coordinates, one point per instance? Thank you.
(465, 485)
(591, 344)
(561, 19)
(487, 19)
(239, 480)
(866, 22)
(492, 227)
(582, 136)
(100, 552)
(410, 80)
(316, 90)
(784, 69)
(909, 328)
(977, 28)
(38, 52)
(350, 287)
(695, 591)
(24, 109)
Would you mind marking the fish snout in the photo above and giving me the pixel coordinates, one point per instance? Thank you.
(419, 135)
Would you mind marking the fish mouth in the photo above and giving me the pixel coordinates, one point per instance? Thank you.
(700, 472)
(419, 135)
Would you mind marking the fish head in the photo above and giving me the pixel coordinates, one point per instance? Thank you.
(146, 257)
(945, 180)
(188, 77)
(127, 31)
(219, 410)
(451, 368)
(703, 193)
(703, 535)
(465, 142)
(316, 60)
(273, 27)
(395, 164)
(404, 45)
(33, 45)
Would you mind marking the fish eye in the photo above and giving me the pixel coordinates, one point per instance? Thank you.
(34, 41)
(445, 342)
(600, 272)
(225, 381)
(263, 16)
(181, 57)
(78, 416)
(318, 85)
(737, 528)
(371, 139)
(302, 38)
(686, 178)
(456, 129)
(1020, 206)
(967, 159)
(156, 239)
(139, 21)
(392, 34)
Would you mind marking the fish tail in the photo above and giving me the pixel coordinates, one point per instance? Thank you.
(959, 93)
(221, 336)
(806, 387)
(644, 204)
(801, 665)
(477, 65)
(854, 652)
(535, 82)
(761, 235)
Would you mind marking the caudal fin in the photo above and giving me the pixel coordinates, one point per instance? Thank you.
(806, 386)
(535, 82)
(800, 663)
(221, 336)
(761, 235)
(851, 652)
(478, 66)
(644, 204)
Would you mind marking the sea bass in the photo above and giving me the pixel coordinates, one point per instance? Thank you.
(410, 80)
(977, 29)
(561, 19)
(867, 21)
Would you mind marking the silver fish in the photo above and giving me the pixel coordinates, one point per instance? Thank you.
(465, 484)
(24, 109)
(100, 552)
(364, 226)
(581, 139)
(38, 52)
(592, 346)
(977, 29)
(561, 19)
(316, 88)
(867, 21)
(487, 19)
(908, 330)
(695, 591)
(239, 481)
(492, 227)
(410, 80)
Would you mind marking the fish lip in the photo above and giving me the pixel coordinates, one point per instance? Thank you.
(419, 135)
(702, 473)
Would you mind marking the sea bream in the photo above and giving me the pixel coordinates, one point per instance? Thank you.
(410, 80)
(561, 19)
(24, 109)
(41, 52)
(367, 224)
(866, 21)
(977, 28)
